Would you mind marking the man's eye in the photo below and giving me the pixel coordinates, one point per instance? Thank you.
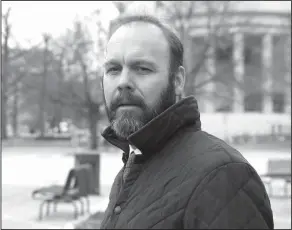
(113, 70)
(143, 69)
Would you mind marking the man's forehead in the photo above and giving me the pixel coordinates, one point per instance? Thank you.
(132, 28)
(139, 39)
(138, 33)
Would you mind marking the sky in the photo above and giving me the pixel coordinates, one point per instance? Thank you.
(30, 19)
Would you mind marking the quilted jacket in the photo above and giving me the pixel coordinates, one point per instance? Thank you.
(185, 178)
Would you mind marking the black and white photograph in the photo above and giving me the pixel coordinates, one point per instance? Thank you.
(146, 114)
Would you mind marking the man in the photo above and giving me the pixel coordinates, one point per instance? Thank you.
(175, 175)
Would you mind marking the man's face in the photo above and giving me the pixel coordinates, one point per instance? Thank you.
(136, 77)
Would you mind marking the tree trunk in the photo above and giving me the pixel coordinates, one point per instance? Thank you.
(60, 84)
(92, 128)
(5, 66)
(3, 116)
(42, 106)
(42, 115)
(59, 114)
(4, 95)
(15, 111)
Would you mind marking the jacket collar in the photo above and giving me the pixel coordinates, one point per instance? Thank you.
(154, 135)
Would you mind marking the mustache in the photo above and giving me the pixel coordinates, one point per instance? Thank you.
(126, 98)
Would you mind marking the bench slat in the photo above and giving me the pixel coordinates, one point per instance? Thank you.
(279, 168)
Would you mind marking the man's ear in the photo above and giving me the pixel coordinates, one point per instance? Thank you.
(179, 81)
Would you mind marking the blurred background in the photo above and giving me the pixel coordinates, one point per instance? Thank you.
(238, 66)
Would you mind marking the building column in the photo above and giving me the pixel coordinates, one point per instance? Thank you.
(288, 75)
(210, 86)
(267, 44)
(238, 58)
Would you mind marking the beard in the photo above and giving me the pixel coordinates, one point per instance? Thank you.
(128, 122)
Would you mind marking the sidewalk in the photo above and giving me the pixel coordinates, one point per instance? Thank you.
(20, 211)
(25, 169)
(22, 173)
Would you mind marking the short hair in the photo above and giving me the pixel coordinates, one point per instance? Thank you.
(175, 45)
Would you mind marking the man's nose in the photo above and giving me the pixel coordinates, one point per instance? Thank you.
(125, 81)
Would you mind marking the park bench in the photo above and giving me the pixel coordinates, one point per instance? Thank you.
(279, 169)
(76, 189)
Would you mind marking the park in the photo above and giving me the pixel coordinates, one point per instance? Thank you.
(238, 67)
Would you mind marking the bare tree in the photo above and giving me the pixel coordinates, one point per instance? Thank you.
(19, 67)
(60, 72)
(15, 90)
(43, 89)
(79, 62)
(15, 109)
(14, 70)
(5, 67)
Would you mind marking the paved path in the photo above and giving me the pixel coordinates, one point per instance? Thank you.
(20, 211)
(34, 167)
(25, 169)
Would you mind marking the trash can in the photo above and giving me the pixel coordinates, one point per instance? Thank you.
(92, 158)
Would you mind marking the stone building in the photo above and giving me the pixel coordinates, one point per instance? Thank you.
(250, 62)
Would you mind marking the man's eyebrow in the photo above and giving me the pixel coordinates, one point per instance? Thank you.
(143, 62)
(133, 62)
(110, 62)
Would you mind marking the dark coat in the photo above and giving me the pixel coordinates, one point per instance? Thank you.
(185, 178)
